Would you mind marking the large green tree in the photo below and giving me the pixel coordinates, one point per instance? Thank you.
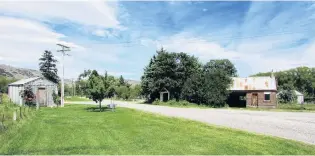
(48, 67)
(167, 70)
(210, 86)
(217, 80)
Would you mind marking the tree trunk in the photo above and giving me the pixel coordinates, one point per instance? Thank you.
(100, 106)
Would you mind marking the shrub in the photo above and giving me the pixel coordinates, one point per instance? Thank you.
(286, 96)
(56, 98)
(172, 102)
(4, 98)
(156, 102)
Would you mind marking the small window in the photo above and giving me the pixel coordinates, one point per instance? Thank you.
(267, 96)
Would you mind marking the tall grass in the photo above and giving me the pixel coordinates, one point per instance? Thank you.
(7, 111)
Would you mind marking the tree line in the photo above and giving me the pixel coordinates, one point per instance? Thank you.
(301, 79)
(186, 78)
(121, 88)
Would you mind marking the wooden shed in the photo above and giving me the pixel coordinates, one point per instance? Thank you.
(253, 92)
(41, 87)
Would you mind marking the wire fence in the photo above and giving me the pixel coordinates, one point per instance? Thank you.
(11, 115)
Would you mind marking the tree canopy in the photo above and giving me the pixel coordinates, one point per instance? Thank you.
(301, 79)
(186, 78)
(167, 70)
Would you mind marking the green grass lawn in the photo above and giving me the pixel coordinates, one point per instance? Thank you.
(74, 130)
(76, 98)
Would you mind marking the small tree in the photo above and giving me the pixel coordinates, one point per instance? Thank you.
(28, 96)
(48, 66)
(121, 81)
(97, 88)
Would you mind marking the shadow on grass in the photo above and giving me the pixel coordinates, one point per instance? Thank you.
(97, 109)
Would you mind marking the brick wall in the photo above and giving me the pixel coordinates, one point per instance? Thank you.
(272, 103)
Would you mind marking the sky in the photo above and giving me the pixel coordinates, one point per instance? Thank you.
(120, 37)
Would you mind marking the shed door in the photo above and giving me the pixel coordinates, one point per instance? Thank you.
(254, 99)
(41, 96)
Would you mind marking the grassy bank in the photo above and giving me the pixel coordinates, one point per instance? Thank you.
(280, 107)
(183, 104)
(75, 130)
(7, 111)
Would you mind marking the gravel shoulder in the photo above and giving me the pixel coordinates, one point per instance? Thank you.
(299, 126)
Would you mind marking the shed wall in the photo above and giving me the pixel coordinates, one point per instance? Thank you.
(14, 94)
(272, 103)
(300, 99)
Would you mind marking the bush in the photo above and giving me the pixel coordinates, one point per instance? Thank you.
(172, 102)
(287, 96)
(4, 98)
(156, 102)
(56, 98)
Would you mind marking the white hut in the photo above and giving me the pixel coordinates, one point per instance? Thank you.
(42, 88)
(299, 97)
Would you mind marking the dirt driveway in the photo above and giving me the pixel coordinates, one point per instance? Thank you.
(298, 126)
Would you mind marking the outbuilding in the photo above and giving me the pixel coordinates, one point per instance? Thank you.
(41, 87)
(299, 97)
(253, 92)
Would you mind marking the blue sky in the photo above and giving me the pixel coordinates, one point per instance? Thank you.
(121, 36)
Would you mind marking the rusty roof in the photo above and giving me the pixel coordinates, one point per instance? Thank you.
(253, 83)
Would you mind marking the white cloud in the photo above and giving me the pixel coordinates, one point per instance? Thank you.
(198, 47)
(89, 13)
(104, 33)
(261, 55)
(23, 41)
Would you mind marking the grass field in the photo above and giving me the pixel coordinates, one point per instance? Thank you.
(76, 98)
(74, 130)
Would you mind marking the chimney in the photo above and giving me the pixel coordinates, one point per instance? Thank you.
(272, 76)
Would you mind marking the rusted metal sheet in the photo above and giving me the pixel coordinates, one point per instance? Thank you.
(254, 83)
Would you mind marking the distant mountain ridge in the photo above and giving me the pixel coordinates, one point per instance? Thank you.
(23, 73)
(18, 73)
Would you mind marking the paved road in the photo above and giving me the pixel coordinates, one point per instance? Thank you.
(298, 126)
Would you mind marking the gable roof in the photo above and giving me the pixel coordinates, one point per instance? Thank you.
(253, 83)
(33, 81)
(297, 93)
(23, 81)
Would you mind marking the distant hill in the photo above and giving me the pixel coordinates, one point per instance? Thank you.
(133, 82)
(18, 73)
(23, 73)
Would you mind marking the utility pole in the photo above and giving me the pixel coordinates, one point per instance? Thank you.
(73, 87)
(63, 51)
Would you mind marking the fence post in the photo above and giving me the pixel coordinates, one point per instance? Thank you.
(14, 115)
(21, 112)
(2, 121)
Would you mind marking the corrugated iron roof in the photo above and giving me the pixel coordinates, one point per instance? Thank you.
(253, 83)
(23, 81)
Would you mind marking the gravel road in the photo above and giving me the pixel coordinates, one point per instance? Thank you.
(298, 126)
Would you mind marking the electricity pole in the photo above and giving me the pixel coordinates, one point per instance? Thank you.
(63, 51)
